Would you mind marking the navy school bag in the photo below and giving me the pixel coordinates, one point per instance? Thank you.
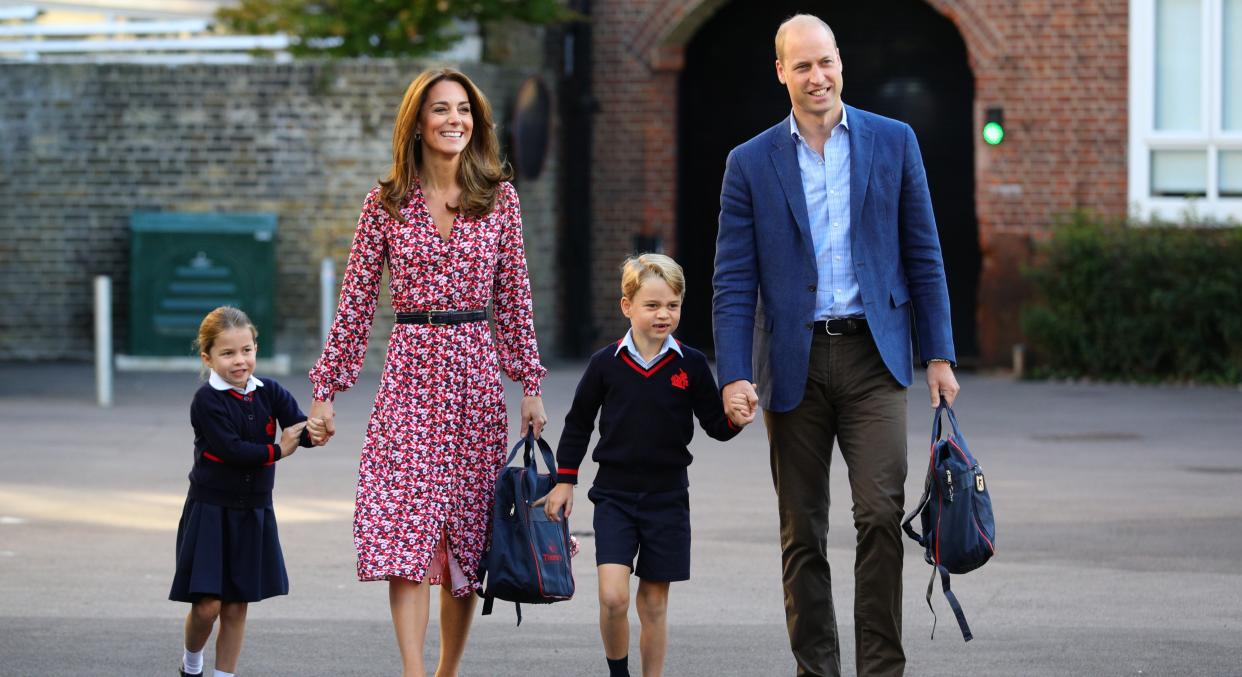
(529, 558)
(959, 533)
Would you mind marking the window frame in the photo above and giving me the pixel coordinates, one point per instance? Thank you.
(1144, 138)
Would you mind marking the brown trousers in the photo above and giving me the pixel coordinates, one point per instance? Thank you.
(851, 397)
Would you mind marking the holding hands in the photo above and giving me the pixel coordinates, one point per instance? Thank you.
(320, 423)
(740, 402)
(290, 438)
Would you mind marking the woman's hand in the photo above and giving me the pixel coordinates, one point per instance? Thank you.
(320, 422)
(532, 414)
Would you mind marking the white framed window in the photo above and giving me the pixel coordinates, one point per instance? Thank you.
(1186, 109)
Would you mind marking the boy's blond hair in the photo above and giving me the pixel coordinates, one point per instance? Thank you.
(636, 269)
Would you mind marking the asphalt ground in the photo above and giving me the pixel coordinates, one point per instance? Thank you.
(1119, 513)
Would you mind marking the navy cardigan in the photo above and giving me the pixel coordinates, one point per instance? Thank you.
(234, 453)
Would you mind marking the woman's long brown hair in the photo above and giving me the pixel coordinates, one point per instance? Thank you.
(480, 172)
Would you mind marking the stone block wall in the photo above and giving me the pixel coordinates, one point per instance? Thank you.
(83, 146)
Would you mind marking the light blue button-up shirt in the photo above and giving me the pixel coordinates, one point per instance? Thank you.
(826, 187)
(627, 343)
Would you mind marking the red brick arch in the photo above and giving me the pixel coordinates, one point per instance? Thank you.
(1058, 68)
(667, 27)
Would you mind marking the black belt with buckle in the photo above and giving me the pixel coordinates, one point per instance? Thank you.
(435, 317)
(841, 326)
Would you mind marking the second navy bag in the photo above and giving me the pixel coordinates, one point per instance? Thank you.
(529, 558)
(959, 532)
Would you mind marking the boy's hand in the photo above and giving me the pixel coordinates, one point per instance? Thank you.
(740, 410)
(289, 439)
(746, 390)
(561, 496)
(318, 428)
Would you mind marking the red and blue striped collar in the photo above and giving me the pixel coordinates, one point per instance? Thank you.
(628, 352)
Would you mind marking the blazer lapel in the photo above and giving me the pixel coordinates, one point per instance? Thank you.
(785, 161)
(860, 169)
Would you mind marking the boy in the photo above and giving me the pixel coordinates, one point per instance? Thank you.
(649, 386)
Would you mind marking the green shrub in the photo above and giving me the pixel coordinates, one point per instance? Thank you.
(1138, 302)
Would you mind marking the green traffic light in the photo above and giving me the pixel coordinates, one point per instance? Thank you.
(993, 133)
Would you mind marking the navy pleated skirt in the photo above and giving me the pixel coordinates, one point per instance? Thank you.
(229, 553)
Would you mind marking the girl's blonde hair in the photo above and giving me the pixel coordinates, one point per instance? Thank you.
(217, 322)
(637, 269)
(481, 170)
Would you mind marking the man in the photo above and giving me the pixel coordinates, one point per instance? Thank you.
(827, 246)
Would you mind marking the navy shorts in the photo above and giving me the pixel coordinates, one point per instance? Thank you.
(653, 525)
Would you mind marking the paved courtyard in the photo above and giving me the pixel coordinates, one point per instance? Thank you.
(1119, 513)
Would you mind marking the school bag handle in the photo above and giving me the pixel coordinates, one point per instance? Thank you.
(936, 420)
(527, 445)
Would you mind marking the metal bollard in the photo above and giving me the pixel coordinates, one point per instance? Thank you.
(327, 297)
(103, 340)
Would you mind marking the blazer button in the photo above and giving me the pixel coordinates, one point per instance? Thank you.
(810, 325)
(810, 287)
(251, 417)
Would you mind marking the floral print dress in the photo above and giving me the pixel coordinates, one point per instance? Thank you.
(437, 435)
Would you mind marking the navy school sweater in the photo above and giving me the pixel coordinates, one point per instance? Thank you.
(646, 419)
(234, 449)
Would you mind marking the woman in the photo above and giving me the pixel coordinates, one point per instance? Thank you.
(449, 227)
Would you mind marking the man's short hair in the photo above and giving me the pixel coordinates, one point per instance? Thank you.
(780, 32)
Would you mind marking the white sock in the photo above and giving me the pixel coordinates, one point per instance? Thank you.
(192, 662)
(221, 673)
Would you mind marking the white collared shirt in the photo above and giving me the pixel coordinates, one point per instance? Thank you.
(219, 383)
(628, 343)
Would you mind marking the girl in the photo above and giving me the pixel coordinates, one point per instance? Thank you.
(228, 552)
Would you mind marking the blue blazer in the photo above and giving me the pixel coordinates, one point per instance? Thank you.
(765, 270)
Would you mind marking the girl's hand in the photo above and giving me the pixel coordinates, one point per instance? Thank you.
(289, 439)
(532, 414)
(324, 427)
(561, 496)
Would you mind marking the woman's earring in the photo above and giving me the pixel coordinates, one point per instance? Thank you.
(418, 136)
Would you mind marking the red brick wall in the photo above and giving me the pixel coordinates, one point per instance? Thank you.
(1058, 67)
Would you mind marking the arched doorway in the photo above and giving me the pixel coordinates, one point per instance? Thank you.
(901, 58)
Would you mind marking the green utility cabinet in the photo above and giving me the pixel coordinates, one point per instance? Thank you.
(183, 265)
